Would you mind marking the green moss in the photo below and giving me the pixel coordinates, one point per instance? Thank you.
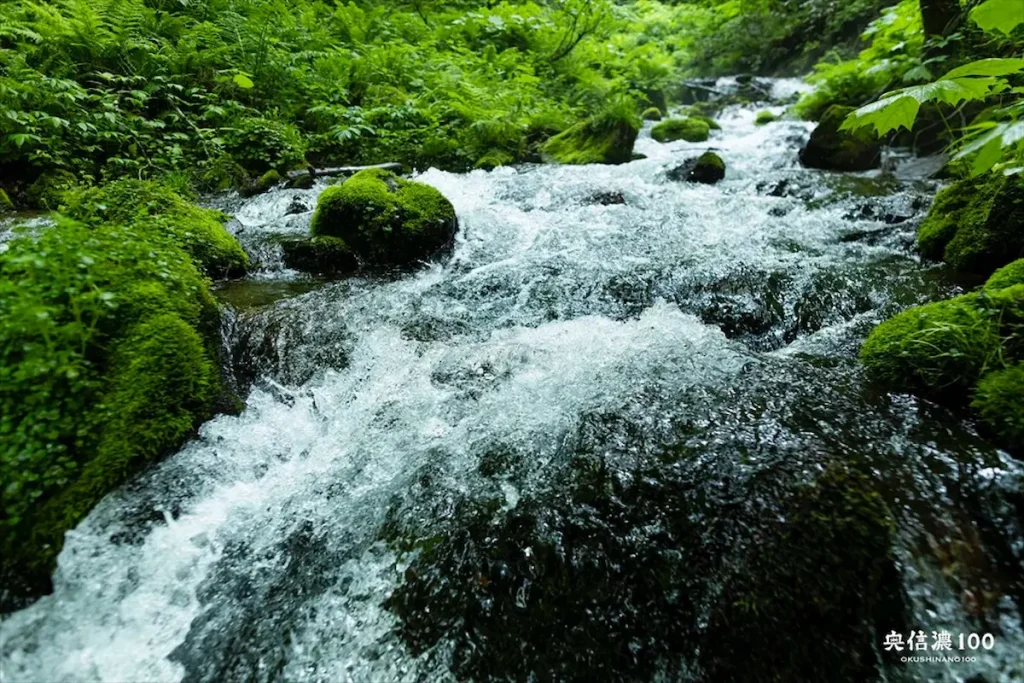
(1007, 276)
(999, 400)
(268, 180)
(604, 139)
(108, 359)
(303, 181)
(651, 114)
(938, 348)
(990, 233)
(708, 168)
(386, 220)
(323, 255)
(48, 190)
(155, 208)
(940, 226)
(831, 148)
(764, 117)
(826, 569)
(690, 129)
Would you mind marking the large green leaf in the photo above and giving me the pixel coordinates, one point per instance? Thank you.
(888, 113)
(999, 15)
(987, 67)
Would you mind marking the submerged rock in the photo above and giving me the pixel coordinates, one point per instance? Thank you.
(385, 220)
(764, 117)
(976, 225)
(606, 198)
(689, 129)
(831, 148)
(708, 168)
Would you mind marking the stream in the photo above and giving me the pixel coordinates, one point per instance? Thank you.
(612, 371)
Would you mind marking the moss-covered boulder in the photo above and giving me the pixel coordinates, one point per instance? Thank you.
(1007, 276)
(691, 129)
(109, 358)
(47, 191)
(708, 168)
(303, 181)
(840, 150)
(607, 138)
(264, 183)
(976, 224)
(999, 400)
(322, 255)
(941, 348)
(651, 114)
(155, 208)
(764, 118)
(386, 220)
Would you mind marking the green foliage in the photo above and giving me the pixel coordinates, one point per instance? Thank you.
(153, 208)
(48, 190)
(384, 219)
(989, 139)
(999, 400)
(108, 357)
(690, 129)
(260, 145)
(606, 138)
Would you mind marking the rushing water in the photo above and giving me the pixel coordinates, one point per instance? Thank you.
(411, 447)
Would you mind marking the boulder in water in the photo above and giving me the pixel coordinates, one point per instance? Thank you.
(708, 168)
(602, 139)
(262, 184)
(976, 224)
(321, 255)
(606, 198)
(386, 220)
(651, 114)
(691, 129)
(303, 181)
(764, 118)
(841, 150)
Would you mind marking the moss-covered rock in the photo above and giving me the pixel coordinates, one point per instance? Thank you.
(109, 358)
(827, 569)
(651, 114)
(303, 181)
(603, 139)
(999, 400)
(831, 148)
(939, 348)
(1007, 276)
(386, 220)
(264, 183)
(708, 168)
(323, 255)
(976, 225)
(764, 117)
(157, 209)
(47, 191)
(690, 129)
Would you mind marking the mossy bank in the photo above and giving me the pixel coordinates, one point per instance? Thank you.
(109, 358)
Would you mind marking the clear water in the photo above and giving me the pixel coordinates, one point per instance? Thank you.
(720, 321)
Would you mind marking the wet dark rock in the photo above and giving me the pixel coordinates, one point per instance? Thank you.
(287, 343)
(831, 148)
(321, 255)
(606, 198)
(708, 169)
(297, 206)
(303, 181)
